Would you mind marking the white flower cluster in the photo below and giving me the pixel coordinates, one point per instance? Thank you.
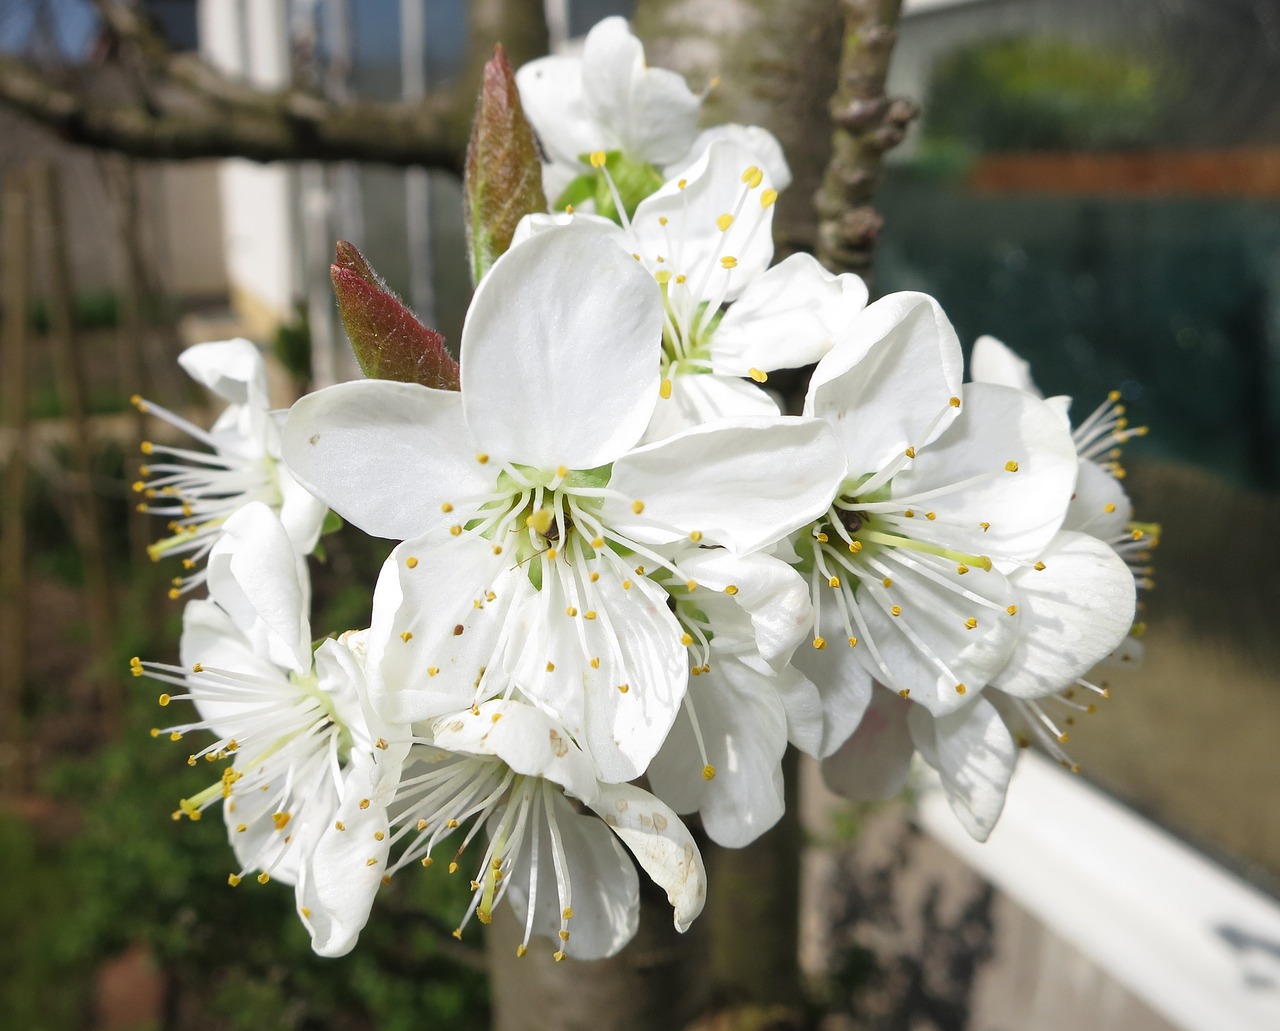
(616, 560)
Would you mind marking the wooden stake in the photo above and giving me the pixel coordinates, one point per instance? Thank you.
(15, 245)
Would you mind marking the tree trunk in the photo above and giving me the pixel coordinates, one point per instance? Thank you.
(659, 982)
(776, 61)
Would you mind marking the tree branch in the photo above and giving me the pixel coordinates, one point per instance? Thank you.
(867, 124)
(180, 107)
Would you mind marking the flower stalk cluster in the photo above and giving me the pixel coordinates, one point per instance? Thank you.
(613, 561)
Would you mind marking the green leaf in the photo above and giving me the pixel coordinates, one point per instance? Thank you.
(502, 181)
(388, 340)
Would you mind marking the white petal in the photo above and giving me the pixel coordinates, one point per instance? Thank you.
(974, 753)
(662, 845)
(255, 574)
(769, 593)
(1026, 460)
(652, 110)
(210, 638)
(635, 642)
(762, 144)
(232, 369)
(383, 455)
(744, 729)
(873, 765)
(682, 225)
(887, 384)
(803, 707)
(705, 397)
(301, 512)
(560, 352)
(434, 614)
(554, 102)
(929, 648)
(743, 483)
(340, 882)
(522, 736)
(792, 315)
(1073, 613)
(1099, 506)
(842, 683)
(995, 362)
(605, 890)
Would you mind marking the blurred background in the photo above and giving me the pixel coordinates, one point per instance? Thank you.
(1095, 182)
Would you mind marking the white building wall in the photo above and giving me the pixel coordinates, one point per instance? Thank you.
(251, 38)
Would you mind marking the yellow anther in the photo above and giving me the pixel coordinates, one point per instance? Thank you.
(681, 184)
(833, 581)
(731, 590)
(378, 835)
(626, 585)
(455, 529)
(724, 222)
(411, 562)
(497, 549)
(264, 877)
(174, 594)
(768, 197)
(691, 585)
(568, 209)
(910, 513)
(896, 610)
(551, 554)
(595, 662)
(695, 536)
(562, 471)
(971, 624)
(624, 688)
(1038, 567)
(597, 542)
(407, 636)
(910, 452)
(340, 826)
(593, 576)
(446, 507)
(175, 735)
(482, 458)
(539, 521)
(637, 507)
(364, 803)
(749, 172)
(1011, 466)
(821, 538)
(905, 692)
(887, 582)
(855, 546)
(853, 642)
(233, 879)
(432, 670)
(759, 375)
(139, 486)
(681, 278)
(662, 220)
(931, 516)
(728, 262)
(664, 390)
(708, 772)
(570, 611)
(1109, 508)
(551, 667)
(564, 935)
(371, 861)
(1012, 610)
(164, 700)
(521, 950)
(819, 643)
(686, 639)
(558, 955)
(757, 177)
(961, 689)
(589, 614)
(954, 402)
(422, 824)
(598, 159)
(281, 820)
(146, 447)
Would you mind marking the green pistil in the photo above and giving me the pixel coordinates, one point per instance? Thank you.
(895, 541)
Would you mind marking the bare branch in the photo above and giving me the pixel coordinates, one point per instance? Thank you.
(178, 107)
(867, 124)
